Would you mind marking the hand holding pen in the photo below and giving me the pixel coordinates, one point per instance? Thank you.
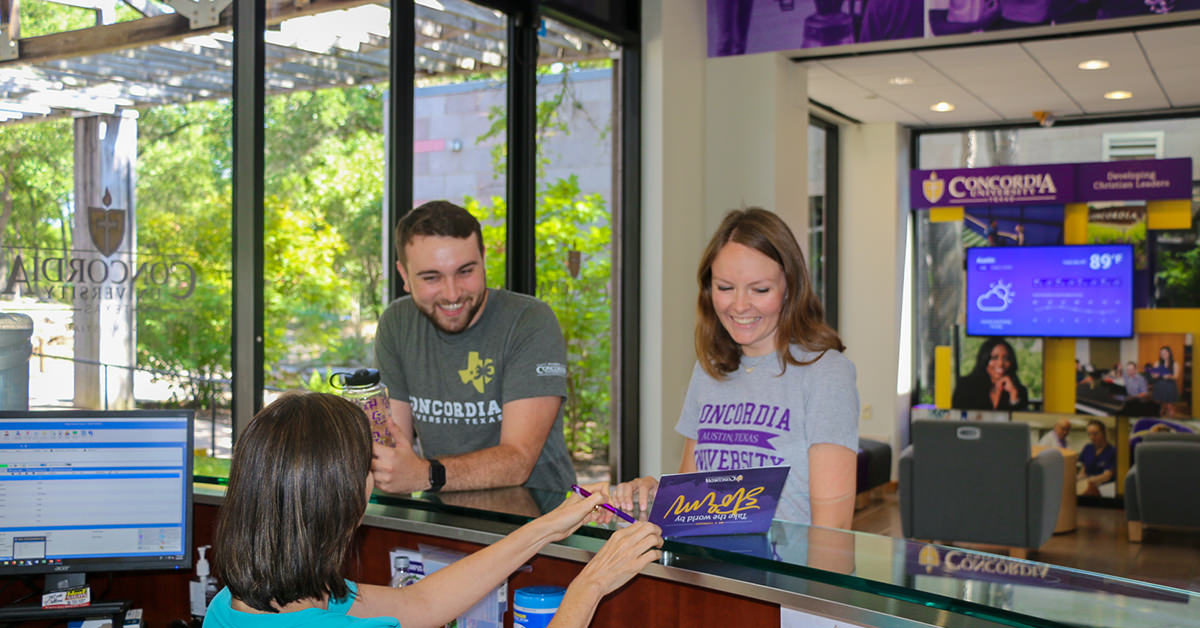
(584, 493)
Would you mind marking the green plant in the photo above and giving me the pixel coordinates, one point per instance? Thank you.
(574, 270)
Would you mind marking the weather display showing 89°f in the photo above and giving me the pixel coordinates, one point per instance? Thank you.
(1081, 291)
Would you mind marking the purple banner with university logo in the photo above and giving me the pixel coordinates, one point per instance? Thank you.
(950, 562)
(1051, 184)
(1136, 180)
(1047, 184)
(742, 501)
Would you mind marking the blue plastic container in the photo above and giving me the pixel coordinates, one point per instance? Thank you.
(534, 607)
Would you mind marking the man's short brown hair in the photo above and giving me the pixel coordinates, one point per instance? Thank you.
(436, 218)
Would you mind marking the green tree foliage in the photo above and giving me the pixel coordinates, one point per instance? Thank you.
(36, 185)
(323, 273)
(573, 236)
(1179, 277)
(184, 211)
(324, 178)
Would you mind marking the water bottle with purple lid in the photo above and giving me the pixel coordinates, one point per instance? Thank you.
(364, 388)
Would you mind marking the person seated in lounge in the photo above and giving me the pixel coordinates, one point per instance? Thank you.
(1057, 436)
(1135, 385)
(1098, 460)
(298, 488)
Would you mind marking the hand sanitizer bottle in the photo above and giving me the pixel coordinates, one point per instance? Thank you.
(201, 590)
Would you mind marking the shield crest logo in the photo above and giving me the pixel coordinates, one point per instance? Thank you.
(933, 188)
(107, 228)
(928, 558)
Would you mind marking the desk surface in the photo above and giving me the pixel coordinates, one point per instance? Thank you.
(838, 566)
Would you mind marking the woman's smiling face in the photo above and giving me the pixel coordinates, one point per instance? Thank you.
(747, 294)
(999, 362)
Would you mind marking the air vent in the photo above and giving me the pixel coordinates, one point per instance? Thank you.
(1121, 146)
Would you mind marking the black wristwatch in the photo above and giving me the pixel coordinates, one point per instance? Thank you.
(437, 475)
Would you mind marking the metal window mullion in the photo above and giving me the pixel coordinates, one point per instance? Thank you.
(831, 224)
(249, 22)
(629, 251)
(398, 197)
(521, 182)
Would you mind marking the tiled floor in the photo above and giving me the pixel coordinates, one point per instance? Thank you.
(1099, 544)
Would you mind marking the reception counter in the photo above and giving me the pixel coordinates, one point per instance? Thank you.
(807, 575)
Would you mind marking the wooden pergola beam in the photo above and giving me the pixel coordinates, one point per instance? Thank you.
(149, 30)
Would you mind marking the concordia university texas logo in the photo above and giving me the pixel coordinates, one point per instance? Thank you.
(933, 188)
(478, 372)
(106, 226)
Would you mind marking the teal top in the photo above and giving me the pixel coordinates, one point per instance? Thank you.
(221, 614)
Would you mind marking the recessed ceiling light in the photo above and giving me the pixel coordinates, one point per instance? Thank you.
(1093, 64)
(901, 80)
(1119, 94)
(942, 107)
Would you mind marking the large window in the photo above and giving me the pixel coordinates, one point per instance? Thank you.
(115, 227)
(323, 182)
(460, 92)
(574, 214)
(1169, 259)
(823, 213)
(124, 269)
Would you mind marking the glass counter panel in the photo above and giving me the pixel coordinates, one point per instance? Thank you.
(965, 581)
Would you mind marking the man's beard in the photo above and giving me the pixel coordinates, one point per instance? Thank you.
(472, 311)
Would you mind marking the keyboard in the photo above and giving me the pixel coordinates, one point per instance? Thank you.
(34, 612)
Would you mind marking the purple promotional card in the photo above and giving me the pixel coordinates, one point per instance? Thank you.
(740, 501)
(1080, 291)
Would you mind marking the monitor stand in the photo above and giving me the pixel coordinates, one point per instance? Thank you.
(59, 582)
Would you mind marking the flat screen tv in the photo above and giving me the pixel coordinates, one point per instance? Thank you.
(1076, 291)
(95, 491)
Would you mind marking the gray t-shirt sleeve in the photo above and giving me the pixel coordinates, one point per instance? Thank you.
(689, 417)
(832, 402)
(536, 360)
(387, 353)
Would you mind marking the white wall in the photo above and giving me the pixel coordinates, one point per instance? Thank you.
(717, 135)
(874, 168)
(672, 219)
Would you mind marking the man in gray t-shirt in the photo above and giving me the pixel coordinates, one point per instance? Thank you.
(479, 375)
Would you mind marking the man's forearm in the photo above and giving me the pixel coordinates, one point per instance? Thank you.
(502, 465)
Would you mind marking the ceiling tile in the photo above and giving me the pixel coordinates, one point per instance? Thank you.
(1006, 82)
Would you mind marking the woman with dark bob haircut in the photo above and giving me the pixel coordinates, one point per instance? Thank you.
(993, 384)
(298, 488)
(770, 386)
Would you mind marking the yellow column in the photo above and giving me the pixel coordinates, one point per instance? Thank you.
(943, 376)
(1058, 364)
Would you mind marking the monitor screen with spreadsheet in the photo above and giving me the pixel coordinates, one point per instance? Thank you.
(95, 491)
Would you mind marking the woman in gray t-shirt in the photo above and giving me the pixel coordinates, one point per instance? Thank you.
(771, 386)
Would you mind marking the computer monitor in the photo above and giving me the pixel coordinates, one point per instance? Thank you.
(95, 491)
(1071, 291)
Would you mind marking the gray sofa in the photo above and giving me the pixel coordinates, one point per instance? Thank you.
(1160, 488)
(976, 482)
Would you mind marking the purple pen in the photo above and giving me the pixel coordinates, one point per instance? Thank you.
(579, 490)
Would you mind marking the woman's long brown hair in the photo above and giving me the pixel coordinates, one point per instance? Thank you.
(802, 318)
